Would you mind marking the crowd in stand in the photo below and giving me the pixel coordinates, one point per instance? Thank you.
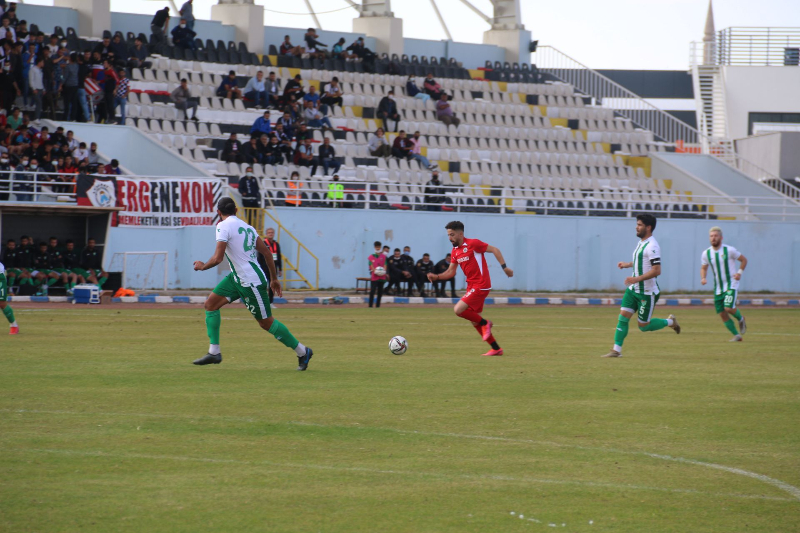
(32, 268)
(37, 165)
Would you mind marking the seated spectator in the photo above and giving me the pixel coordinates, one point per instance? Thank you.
(296, 110)
(273, 87)
(302, 133)
(293, 197)
(120, 50)
(283, 140)
(416, 152)
(232, 152)
(332, 95)
(183, 99)
(229, 88)
(183, 37)
(327, 158)
(7, 31)
(94, 157)
(248, 188)
(315, 118)
(25, 174)
(261, 125)
(273, 154)
(158, 26)
(294, 90)
(401, 148)
(287, 124)
(263, 146)
(313, 45)
(103, 48)
(81, 153)
(256, 90)
(91, 264)
(15, 120)
(434, 193)
(304, 155)
(413, 91)
(387, 109)
(5, 176)
(432, 87)
(339, 51)
(138, 55)
(378, 146)
(360, 50)
(113, 167)
(251, 152)
(313, 96)
(288, 49)
(445, 113)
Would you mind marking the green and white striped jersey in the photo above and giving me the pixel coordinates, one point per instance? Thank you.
(241, 251)
(722, 263)
(645, 257)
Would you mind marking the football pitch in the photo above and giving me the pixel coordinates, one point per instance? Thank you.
(105, 425)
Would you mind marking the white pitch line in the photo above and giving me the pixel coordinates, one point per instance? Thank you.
(357, 469)
(790, 489)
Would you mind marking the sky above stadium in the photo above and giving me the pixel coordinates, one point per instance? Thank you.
(602, 34)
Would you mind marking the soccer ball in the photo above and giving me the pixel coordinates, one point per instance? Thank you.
(398, 345)
(380, 271)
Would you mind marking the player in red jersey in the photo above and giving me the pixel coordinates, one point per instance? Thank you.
(470, 255)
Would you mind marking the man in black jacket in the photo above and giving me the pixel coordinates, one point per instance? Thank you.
(183, 37)
(407, 267)
(92, 264)
(440, 286)
(251, 195)
(326, 158)
(158, 26)
(434, 193)
(387, 109)
(396, 275)
(232, 152)
(424, 267)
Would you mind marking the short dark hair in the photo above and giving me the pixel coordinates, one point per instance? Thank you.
(455, 225)
(69, 241)
(42, 244)
(10, 241)
(226, 206)
(648, 220)
(53, 239)
(184, 80)
(426, 255)
(377, 243)
(232, 73)
(397, 249)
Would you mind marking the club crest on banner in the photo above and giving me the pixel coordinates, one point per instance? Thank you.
(102, 194)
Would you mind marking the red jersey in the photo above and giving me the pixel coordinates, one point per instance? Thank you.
(470, 257)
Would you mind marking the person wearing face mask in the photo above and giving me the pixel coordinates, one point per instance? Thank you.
(93, 158)
(183, 37)
(251, 194)
(5, 177)
(387, 110)
(376, 261)
(23, 175)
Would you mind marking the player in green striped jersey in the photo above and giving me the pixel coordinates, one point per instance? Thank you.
(642, 292)
(721, 258)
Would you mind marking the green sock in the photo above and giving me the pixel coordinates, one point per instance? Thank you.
(736, 314)
(622, 330)
(731, 326)
(9, 314)
(101, 281)
(51, 281)
(654, 325)
(25, 281)
(282, 333)
(213, 320)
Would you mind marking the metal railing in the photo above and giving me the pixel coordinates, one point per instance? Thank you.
(645, 115)
(749, 46)
(37, 187)
(620, 202)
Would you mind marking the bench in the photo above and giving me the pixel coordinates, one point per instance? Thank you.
(365, 288)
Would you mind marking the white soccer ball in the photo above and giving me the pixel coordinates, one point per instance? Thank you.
(398, 345)
(380, 271)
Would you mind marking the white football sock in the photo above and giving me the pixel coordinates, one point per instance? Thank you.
(670, 322)
(300, 350)
(14, 325)
(213, 349)
(617, 348)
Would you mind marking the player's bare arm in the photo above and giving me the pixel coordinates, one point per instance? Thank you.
(274, 284)
(447, 274)
(499, 256)
(652, 273)
(703, 272)
(219, 255)
(738, 275)
(623, 264)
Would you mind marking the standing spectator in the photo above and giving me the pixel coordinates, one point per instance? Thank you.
(70, 90)
(158, 26)
(183, 37)
(256, 90)
(5, 176)
(262, 125)
(251, 152)
(434, 193)
(333, 93)
(402, 147)
(138, 55)
(109, 89)
(326, 158)
(251, 195)
(441, 286)
(8, 87)
(445, 113)
(304, 155)
(28, 61)
(288, 49)
(413, 91)
(83, 72)
(187, 14)
(294, 90)
(232, 152)
(423, 268)
(432, 87)
(378, 146)
(273, 86)
(375, 261)
(313, 45)
(36, 83)
(387, 109)
(336, 192)
(274, 247)
(121, 96)
(416, 152)
(24, 168)
(103, 48)
(315, 118)
(229, 88)
(182, 97)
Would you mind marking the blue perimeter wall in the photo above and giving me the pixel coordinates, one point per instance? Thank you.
(546, 253)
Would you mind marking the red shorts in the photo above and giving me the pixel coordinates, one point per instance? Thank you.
(474, 298)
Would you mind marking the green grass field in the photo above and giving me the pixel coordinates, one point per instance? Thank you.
(106, 426)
